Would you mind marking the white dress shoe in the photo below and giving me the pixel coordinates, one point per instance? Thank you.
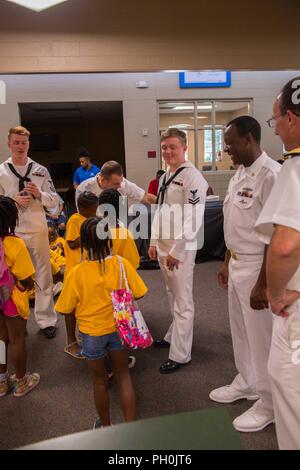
(229, 394)
(253, 420)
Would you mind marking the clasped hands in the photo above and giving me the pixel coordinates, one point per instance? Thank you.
(24, 197)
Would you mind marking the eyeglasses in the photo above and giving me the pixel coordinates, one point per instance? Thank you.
(272, 121)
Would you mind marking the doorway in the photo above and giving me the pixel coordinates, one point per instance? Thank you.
(59, 129)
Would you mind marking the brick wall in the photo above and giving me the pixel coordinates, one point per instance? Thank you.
(118, 35)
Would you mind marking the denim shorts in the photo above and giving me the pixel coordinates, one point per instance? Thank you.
(97, 347)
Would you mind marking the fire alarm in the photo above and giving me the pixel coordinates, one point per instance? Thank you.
(152, 154)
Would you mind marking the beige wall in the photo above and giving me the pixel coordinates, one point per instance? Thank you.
(140, 109)
(118, 35)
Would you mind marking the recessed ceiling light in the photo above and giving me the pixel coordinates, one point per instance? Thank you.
(37, 5)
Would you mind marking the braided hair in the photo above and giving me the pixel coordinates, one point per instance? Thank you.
(8, 216)
(98, 248)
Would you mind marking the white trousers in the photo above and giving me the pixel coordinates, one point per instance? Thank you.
(179, 284)
(284, 369)
(38, 247)
(251, 331)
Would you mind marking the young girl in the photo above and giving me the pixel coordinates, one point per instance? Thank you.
(13, 319)
(123, 244)
(87, 295)
(87, 207)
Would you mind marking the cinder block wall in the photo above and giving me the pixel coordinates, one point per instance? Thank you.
(118, 35)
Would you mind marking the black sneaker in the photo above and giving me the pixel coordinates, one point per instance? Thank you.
(97, 424)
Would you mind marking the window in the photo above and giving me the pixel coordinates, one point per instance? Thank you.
(204, 122)
(208, 154)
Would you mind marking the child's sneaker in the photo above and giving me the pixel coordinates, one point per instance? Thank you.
(131, 362)
(97, 424)
(26, 384)
(6, 385)
(57, 288)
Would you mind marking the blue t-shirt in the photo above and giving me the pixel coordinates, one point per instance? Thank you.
(82, 174)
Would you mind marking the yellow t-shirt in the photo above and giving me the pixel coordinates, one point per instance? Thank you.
(124, 245)
(55, 242)
(57, 261)
(87, 290)
(73, 257)
(19, 262)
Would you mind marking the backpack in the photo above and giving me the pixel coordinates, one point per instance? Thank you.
(7, 283)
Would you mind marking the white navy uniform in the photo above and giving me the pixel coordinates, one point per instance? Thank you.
(251, 329)
(283, 208)
(127, 189)
(32, 228)
(188, 188)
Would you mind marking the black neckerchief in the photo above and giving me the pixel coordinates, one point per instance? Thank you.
(165, 184)
(292, 154)
(22, 179)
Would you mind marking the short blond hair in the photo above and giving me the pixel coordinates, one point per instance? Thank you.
(174, 132)
(20, 130)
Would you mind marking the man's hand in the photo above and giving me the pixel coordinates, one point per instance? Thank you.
(152, 252)
(280, 304)
(258, 297)
(149, 198)
(223, 276)
(172, 262)
(32, 188)
(23, 201)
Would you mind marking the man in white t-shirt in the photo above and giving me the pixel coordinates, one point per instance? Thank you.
(279, 225)
(111, 177)
(243, 274)
(30, 185)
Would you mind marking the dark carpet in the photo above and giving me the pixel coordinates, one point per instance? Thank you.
(63, 402)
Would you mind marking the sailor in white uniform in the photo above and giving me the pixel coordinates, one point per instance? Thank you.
(279, 225)
(182, 190)
(243, 273)
(30, 184)
(111, 177)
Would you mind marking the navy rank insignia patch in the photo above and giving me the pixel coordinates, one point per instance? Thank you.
(193, 199)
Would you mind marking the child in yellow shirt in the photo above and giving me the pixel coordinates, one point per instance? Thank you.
(56, 243)
(87, 206)
(123, 243)
(87, 295)
(13, 323)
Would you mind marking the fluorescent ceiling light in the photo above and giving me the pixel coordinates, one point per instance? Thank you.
(187, 107)
(37, 5)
